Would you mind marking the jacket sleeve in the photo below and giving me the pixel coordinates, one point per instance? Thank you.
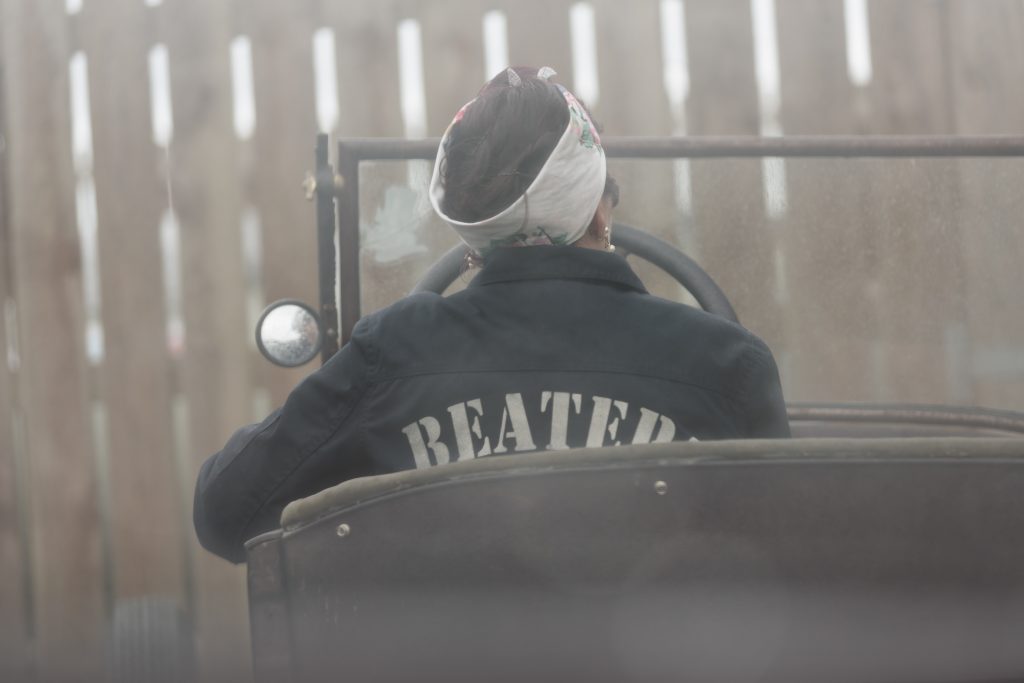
(765, 407)
(310, 443)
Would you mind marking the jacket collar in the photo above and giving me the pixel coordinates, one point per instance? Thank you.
(556, 263)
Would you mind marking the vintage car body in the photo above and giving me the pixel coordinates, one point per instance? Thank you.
(824, 559)
(882, 542)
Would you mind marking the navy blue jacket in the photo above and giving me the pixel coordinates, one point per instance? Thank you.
(547, 348)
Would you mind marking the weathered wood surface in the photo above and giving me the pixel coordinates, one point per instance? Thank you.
(393, 239)
(538, 34)
(881, 280)
(281, 153)
(986, 56)
(734, 239)
(134, 376)
(65, 550)
(912, 204)
(827, 237)
(637, 106)
(13, 551)
(215, 375)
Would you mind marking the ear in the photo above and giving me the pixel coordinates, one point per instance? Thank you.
(593, 238)
(602, 219)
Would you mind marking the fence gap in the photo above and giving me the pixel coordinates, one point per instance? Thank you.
(325, 75)
(495, 30)
(242, 87)
(410, 77)
(858, 42)
(676, 81)
(252, 259)
(85, 204)
(582, 32)
(766, 68)
(170, 248)
(161, 113)
(99, 422)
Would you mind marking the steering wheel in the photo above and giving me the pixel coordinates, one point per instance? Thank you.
(628, 240)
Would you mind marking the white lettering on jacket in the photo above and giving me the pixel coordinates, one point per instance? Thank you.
(515, 412)
(645, 428)
(559, 401)
(420, 447)
(466, 429)
(427, 436)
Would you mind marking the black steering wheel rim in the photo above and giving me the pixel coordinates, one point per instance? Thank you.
(628, 240)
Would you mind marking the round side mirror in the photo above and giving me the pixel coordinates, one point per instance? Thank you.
(289, 334)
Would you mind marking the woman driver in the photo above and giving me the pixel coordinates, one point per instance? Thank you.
(554, 344)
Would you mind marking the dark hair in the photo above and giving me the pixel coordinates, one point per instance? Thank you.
(503, 140)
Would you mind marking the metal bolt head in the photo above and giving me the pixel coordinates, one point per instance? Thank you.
(344, 530)
(661, 488)
(309, 186)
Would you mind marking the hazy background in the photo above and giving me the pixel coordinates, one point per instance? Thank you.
(151, 156)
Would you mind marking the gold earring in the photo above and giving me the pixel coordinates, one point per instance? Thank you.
(609, 247)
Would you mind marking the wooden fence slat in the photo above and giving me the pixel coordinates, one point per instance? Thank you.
(817, 96)
(370, 93)
(538, 34)
(909, 89)
(14, 625)
(942, 239)
(134, 377)
(453, 50)
(454, 70)
(629, 104)
(216, 370)
(734, 239)
(913, 203)
(367, 67)
(402, 236)
(282, 153)
(64, 526)
(987, 67)
(394, 244)
(829, 245)
(14, 662)
(638, 106)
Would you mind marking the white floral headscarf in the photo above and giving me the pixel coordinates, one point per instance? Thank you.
(558, 205)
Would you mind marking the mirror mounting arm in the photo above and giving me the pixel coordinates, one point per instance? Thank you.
(347, 203)
(326, 221)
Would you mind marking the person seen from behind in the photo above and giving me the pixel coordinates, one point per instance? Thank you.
(554, 344)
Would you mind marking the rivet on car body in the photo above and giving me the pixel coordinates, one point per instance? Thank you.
(661, 488)
(344, 530)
